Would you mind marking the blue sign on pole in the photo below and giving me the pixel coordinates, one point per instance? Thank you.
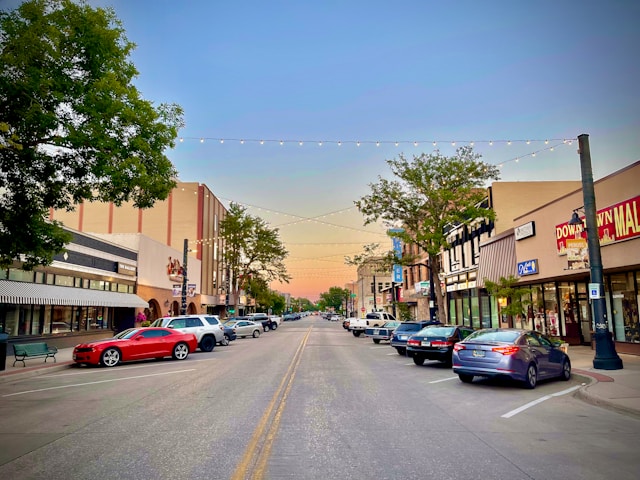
(397, 274)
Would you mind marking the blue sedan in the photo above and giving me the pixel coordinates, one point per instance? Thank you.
(522, 355)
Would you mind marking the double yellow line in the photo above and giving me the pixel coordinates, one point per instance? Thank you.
(254, 461)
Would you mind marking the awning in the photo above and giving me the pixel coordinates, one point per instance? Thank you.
(23, 293)
(497, 259)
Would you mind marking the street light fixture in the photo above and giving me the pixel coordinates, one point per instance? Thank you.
(606, 357)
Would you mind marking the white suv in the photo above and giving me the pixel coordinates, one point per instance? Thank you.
(207, 328)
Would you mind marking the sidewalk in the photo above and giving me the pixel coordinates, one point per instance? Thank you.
(617, 390)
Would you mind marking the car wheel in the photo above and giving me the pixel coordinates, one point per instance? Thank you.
(256, 333)
(356, 333)
(418, 360)
(402, 351)
(376, 340)
(110, 357)
(566, 370)
(225, 341)
(207, 344)
(266, 328)
(274, 326)
(464, 378)
(180, 351)
(532, 377)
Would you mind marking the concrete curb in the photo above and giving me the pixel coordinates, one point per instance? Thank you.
(586, 396)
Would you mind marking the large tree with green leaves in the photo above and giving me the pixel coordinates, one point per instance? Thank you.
(251, 249)
(73, 127)
(430, 193)
(334, 298)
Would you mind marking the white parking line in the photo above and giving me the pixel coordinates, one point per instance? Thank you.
(540, 400)
(120, 369)
(444, 380)
(95, 383)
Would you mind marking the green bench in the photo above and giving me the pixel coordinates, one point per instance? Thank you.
(32, 350)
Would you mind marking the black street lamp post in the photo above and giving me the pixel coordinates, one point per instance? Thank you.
(606, 357)
(183, 305)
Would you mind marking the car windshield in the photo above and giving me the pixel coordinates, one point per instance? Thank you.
(502, 336)
(436, 331)
(390, 324)
(230, 323)
(128, 333)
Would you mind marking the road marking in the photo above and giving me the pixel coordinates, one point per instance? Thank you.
(394, 353)
(444, 380)
(258, 450)
(96, 382)
(409, 364)
(121, 369)
(539, 400)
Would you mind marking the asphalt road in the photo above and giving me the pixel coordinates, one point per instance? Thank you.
(308, 401)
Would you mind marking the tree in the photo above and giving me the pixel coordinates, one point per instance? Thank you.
(266, 299)
(431, 193)
(73, 126)
(252, 250)
(334, 298)
(518, 298)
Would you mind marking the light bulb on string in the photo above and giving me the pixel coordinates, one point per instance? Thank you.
(508, 142)
(181, 139)
(281, 142)
(397, 144)
(202, 140)
(435, 143)
(222, 140)
(261, 142)
(241, 142)
(491, 143)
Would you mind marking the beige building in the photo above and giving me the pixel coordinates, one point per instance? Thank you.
(551, 257)
(191, 213)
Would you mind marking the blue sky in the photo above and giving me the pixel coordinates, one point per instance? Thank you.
(380, 71)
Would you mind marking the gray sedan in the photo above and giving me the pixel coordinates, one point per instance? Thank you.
(523, 355)
(244, 328)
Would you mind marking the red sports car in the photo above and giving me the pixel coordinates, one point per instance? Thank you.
(136, 344)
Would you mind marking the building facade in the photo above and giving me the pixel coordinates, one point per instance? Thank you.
(191, 213)
(90, 288)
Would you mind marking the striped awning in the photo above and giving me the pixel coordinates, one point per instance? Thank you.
(23, 293)
(497, 259)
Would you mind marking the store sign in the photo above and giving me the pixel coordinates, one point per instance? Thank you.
(525, 231)
(616, 223)
(397, 273)
(528, 267)
(422, 288)
(126, 269)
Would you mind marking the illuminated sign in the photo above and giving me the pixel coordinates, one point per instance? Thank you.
(616, 223)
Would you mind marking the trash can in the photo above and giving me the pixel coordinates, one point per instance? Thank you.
(4, 341)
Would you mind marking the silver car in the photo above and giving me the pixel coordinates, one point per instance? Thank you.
(523, 355)
(244, 328)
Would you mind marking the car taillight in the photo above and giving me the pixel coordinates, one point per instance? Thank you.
(441, 343)
(510, 350)
(413, 342)
(458, 346)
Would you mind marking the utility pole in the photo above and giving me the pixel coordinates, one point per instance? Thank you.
(606, 357)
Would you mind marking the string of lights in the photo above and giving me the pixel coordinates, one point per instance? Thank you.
(377, 143)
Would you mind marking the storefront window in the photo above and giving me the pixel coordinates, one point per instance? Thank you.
(452, 311)
(61, 319)
(20, 275)
(46, 321)
(475, 309)
(485, 309)
(35, 320)
(551, 309)
(39, 277)
(64, 280)
(624, 308)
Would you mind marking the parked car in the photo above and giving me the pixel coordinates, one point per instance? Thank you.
(136, 344)
(522, 355)
(435, 342)
(207, 328)
(290, 317)
(384, 332)
(405, 330)
(244, 328)
(229, 334)
(263, 318)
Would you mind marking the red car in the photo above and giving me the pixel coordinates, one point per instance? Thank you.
(136, 344)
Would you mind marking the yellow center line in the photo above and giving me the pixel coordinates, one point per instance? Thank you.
(254, 455)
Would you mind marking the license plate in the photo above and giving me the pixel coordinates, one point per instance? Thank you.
(376, 331)
(74, 356)
(403, 337)
(478, 353)
(425, 344)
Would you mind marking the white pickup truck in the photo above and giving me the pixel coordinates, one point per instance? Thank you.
(357, 326)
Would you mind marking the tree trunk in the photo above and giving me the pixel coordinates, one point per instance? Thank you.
(434, 262)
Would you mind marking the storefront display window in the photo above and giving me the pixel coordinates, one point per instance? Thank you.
(475, 309)
(624, 308)
(551, 310)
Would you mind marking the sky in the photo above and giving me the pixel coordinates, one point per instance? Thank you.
(411, 72)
